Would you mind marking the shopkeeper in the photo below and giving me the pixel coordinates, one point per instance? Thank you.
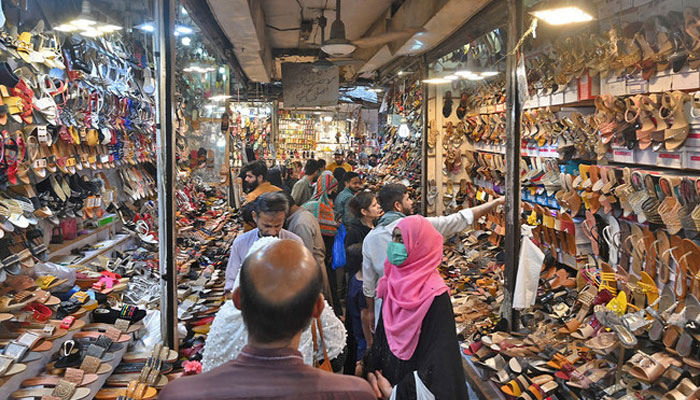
(339, 162)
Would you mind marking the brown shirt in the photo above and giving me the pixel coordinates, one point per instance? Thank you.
(267, 374)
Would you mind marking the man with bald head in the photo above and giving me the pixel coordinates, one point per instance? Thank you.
(279, 294)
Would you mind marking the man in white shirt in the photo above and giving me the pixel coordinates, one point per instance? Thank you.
(270, 213)
(396, 203)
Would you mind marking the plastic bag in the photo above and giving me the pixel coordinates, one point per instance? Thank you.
(59, 271)
(422, 391)
(339, 248)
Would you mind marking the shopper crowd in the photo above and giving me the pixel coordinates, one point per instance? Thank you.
(336, 246)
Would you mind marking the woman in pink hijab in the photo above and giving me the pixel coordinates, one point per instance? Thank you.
(415, 344)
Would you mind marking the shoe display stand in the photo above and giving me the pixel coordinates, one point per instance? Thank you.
(609, 177)
(400, 137)
(34, 368)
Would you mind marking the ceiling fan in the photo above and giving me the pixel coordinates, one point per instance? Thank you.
(339, 46)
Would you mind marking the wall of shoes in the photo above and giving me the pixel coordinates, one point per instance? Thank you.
(400, 135)
(610, 188)
(78, 229)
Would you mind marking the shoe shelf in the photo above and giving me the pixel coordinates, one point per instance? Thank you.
(478, 381)
(34, 368)
(100, 382)
(100, 233)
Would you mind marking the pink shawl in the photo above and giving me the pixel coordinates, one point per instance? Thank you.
(408, 290)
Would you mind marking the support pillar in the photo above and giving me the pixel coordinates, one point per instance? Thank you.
(512, 209)
(424, 137)
(165, 143)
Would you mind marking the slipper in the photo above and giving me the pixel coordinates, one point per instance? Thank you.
(79, 394)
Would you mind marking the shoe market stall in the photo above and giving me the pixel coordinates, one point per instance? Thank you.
(604, 278)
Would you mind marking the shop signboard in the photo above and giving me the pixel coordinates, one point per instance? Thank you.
(309, 85)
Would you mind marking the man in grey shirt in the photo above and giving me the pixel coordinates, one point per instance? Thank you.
(304, 188)
(302, 223)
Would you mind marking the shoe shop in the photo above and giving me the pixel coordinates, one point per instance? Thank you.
(217, 199)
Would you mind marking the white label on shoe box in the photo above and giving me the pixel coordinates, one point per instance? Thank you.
(646, 156)
(617, 87)
(571, 95)
(692, 160)
(660, 83)
(693, 139)
(623, 155)
(669, 159)
(686, 80)
(637, 85)
(558, 98)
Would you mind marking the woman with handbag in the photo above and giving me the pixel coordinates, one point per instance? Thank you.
(415, 352)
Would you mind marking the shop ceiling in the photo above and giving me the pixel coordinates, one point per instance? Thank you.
(266, 33)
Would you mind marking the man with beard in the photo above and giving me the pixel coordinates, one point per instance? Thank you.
(270, 212)
(255, 178)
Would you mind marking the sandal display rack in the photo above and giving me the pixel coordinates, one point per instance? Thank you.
(401, 157)
(610, 195)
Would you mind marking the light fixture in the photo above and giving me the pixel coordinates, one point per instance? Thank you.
(562, 12)
(222, 70)
(221, 97)
(475, 78)
(436, 81)
(375, 90)
(328, 118)
(450, 77)
(200, 69)
(489, 73)
(146, 27)
(186, 41)
(338, 45)
(404, 132)
(183, 29)
(86, 24)
(464, 73)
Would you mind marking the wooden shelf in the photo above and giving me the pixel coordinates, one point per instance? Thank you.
(80, 240)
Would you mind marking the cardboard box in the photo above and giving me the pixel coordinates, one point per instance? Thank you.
(571, 93)
(557, 99)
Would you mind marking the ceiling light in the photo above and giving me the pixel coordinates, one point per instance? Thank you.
(328, 118)
(436, 81)
(489, 73)
(86, 24)
(186, 41)
(338, 45)
(66, 28)
(219, 97)
(475, 77)
(184, 29)
(464, 73)
(109, 28)
(451, 77)
(146, 27)
(222, 70)
(561, 12)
